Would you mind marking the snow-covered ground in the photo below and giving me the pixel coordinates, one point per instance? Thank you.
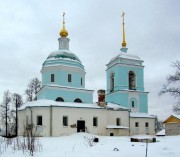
(78, 145)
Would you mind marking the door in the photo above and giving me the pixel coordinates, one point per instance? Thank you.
(80, 126)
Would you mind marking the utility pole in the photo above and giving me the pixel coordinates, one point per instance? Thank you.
(16, 117)
(6, 108)
(146, 147)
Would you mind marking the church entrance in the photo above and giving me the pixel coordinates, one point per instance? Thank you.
(80, 126)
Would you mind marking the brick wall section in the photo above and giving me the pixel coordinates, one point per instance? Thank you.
(172, 129)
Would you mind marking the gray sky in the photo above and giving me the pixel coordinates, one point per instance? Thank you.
(29, 31)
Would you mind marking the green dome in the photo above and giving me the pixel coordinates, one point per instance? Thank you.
(63, 57)
(63, 54)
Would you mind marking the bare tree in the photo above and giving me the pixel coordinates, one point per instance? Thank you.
(32, 89)
(29, 94)
(17, 102)
(172, 86)
(5, 110)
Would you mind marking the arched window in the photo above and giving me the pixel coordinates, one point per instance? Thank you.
(60, 99)
(133, 104)
(132, 80)
(78, 100)
(112, 82)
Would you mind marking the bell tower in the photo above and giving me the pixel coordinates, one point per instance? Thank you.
(125, 79)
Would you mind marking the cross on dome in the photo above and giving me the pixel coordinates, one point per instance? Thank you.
(63, 32)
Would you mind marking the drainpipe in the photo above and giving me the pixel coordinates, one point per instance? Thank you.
(51, 120)
(129, 122)
(31, 119)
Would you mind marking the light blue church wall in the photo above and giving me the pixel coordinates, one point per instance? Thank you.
(118, 98)
(144, 103)
(61, 78)
(67, 94)
(124, 99)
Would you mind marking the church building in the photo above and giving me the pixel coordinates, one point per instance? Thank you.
(64, 106)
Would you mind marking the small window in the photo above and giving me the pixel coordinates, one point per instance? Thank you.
(52, 77)
(69, 78)
(60, 99)
(78, 100)
(39, 120)
(118, 121)
(136, 124)
(133, 104)
(95, 121)
(81, 81)
(146, 124)
(65, 121)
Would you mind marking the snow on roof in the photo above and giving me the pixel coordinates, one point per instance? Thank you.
(141, 115)
(142, 136)
(161, 133)
(126, 56)
(63, 54)
(116, 127)
(115, 106)
(174, 115)
(55, 85)
(177, 116)
(46, 103)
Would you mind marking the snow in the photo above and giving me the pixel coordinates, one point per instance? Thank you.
(78, 145)
(141, 115)
(177, 116)
(161, 133)
(116, 127)
(45, 103)
(126, 56)
(63, 52)
(67, 87)
(115, 106)
(142, 136)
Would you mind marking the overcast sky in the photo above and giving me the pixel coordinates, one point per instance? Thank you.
(29, 31)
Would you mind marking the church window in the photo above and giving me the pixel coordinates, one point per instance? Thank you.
(112, 82)
(81, 81)
(133, 104)
(136, 124)
(52, 77)
(95, 121)
(60, 99)
(132, 80)
(69, 78)
(39, 120)
(65, 120)
(78, 100)
(118, 121)
(146, 124)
